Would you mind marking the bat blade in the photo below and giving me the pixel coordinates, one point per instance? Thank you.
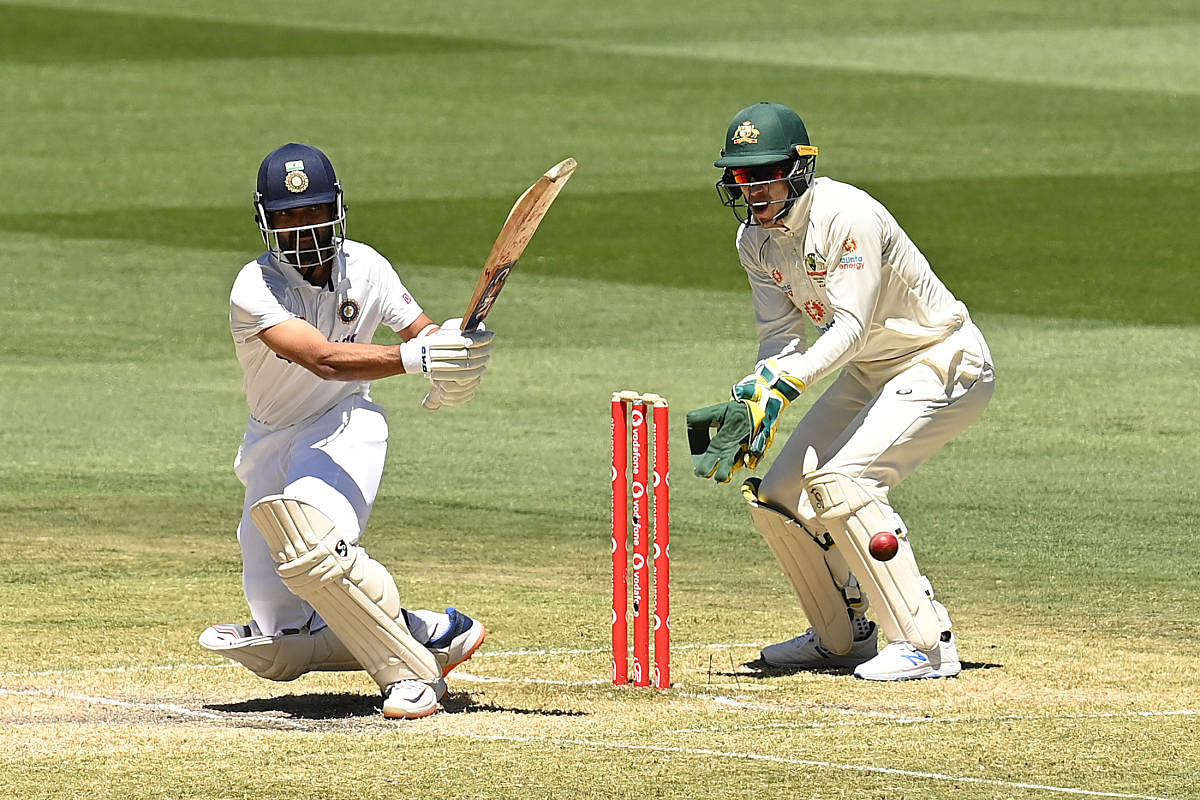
(518, 229)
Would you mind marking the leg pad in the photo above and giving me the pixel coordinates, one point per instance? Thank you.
(355, 595)
(896, 588)
(813, 567)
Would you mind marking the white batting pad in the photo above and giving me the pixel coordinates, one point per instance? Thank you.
(355, 595)
(810, 569)
(280, 658)
(896, 588)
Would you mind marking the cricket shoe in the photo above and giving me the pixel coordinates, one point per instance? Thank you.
(902, 661)
(412, 699)
(459, 642)
(806, 651)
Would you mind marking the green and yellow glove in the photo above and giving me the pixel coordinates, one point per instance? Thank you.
(719, 454)
(767, 392)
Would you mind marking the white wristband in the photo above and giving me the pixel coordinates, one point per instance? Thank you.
(414, 355)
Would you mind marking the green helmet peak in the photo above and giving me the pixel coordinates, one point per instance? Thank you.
(764, 133)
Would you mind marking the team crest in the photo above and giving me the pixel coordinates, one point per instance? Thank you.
(296, 181)
(746, 133)
(850, 245)
(348, 310)
(777, 276)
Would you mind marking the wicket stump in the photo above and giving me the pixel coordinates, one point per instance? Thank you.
(629, 436)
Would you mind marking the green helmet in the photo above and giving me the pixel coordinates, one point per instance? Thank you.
(766, 143)
(761, 134)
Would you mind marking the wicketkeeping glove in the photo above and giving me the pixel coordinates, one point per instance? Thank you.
(718, 455)
(769, 390)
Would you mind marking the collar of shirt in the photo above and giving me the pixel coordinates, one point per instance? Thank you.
(337, 273)
(795, 222)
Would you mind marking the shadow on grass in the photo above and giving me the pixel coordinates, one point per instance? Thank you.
(761, 669)
(345, 705)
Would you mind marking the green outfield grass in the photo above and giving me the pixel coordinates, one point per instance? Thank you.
(1043, 157)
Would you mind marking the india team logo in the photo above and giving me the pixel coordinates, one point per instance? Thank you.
(348, 310)
(296, 180)
(746, 133)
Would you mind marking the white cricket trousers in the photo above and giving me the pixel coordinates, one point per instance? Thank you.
(335, 462)
(878, 429)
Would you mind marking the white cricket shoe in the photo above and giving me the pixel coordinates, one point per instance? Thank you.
(412, 699)
(901, 661)
(806, 652)
(459, 642)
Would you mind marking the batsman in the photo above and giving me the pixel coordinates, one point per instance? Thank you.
(914, 372)
(303, 316)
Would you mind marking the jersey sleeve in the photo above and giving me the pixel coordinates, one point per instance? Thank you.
(399, 308)
(854, 237)
(777, 321)
(252, 306)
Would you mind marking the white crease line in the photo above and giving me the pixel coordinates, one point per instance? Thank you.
(459, 675)
(228, 663)
(170, 708)
(690, 751)
(910, 720)
(599, 650)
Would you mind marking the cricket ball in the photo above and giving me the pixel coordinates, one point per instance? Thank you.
(884, 546)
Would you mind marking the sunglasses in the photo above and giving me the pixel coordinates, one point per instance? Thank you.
(747, 175)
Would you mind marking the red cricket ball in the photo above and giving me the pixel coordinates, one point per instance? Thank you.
(884, 546)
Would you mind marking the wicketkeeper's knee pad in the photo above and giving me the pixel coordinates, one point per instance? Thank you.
(283, 657)
(896, 588)
(814, 567)
(355, 595)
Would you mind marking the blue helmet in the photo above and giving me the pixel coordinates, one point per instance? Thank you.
(296, 176)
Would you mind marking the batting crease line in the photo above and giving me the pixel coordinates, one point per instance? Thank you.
(690, 751)
(599, 650)
(909, 720)
(480, 654)
(800, 762)
(170, 708)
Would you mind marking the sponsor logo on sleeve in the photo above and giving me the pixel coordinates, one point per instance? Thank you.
(816, 311)
(850, 245)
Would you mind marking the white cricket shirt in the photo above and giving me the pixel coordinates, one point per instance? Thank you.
(366, 292)
(842, 262)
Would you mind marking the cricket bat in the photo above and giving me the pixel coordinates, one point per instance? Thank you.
(518, 229)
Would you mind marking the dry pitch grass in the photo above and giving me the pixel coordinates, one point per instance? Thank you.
(1029, 717)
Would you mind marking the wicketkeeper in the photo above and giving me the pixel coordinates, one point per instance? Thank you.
(303, 315)
(915, 371)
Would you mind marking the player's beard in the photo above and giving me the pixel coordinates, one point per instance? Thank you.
(307, 248)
